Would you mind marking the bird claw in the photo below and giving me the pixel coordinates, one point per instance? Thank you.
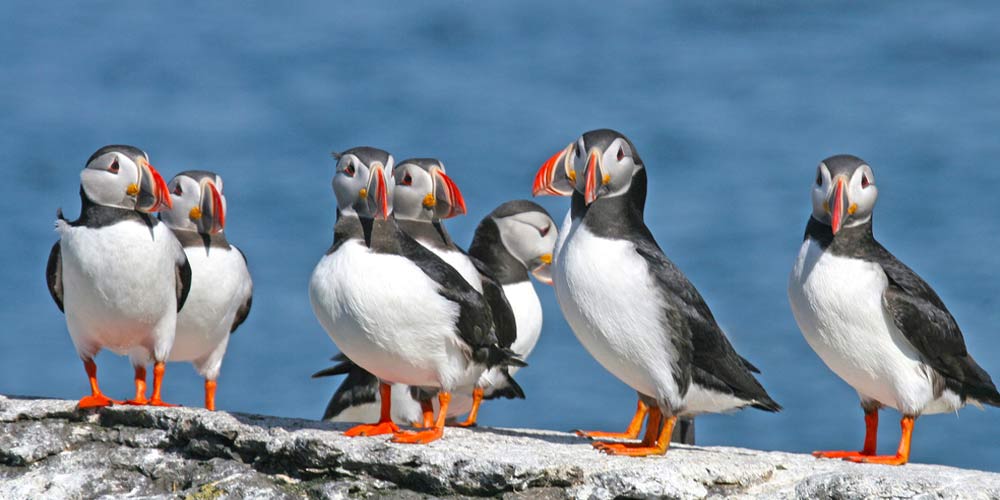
(841, 454)
(879, 459)
(605, 435)
(95, 401)
(375, 429)
(421, 437)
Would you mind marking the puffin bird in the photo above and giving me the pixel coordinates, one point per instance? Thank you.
(394, 307)
(629, 305)
(871, 319)
(118, 274)
(514, 240)
(221, 291)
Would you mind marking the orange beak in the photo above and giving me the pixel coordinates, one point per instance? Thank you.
(554, 178)
(377, 185)
(449, 201)
(838, 213)
(590, 194)
(212, 213)
(154, 195)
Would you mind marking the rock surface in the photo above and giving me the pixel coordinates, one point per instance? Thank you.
(48, 449)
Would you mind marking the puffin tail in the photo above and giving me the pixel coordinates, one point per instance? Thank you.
(510, 389)
(766, 403)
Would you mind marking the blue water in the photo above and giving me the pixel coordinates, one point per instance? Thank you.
(731, 105)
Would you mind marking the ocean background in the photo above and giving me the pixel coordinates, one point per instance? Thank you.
(731, 105)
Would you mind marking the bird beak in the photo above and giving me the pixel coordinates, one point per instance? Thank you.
(543, 272)
(446, 200)
(152, 194)
(210, 214)
(594, 178)
(377, 193)
(556, 177)
(838, 205)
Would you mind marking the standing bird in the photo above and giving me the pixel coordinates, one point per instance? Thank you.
(391, 305)
(221, 291)
(630, 306)
(514, 240)
(117, 273)
(871, 319)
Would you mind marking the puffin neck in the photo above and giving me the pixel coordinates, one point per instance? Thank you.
(194, 239)
(432, 234)
(95, 216)
(377, 234)
(487, 247)
(850, 241)
(614, 216)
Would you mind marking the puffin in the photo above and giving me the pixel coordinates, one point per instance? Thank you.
(394, 307)
(872, 320)
(512, 242)
(117, 273)
(221, 290)
(632, 309)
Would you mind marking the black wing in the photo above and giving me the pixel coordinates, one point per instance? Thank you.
(360, 387)
(714, 362)
(182, 279)
(244, 310)
(510, 389)
(53, 274)
(504, 320)
(924, 320)
(475, 323)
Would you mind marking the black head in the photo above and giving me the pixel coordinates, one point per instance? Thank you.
(600, 163)
(361, 182)
(424, 192)
(120, 176)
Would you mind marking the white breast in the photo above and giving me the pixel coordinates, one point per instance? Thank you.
(119, 291)
(611, 302)
(385, 314)
(220, 284)
(461, 263)
(837, 303)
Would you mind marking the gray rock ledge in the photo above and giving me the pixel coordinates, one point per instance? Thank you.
(48, 449)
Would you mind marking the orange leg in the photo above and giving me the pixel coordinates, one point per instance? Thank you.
(140, 387)
(655, 442)
(385, 425)
(433, 434)
(633, 427)
(158, 369)
(96, 399)
(871, 439)
(210, 394)
(902, 454)
(477, 399)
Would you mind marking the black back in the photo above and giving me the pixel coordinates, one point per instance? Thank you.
(916, 310)
(705, 354)
(360, 387)
(475, 323)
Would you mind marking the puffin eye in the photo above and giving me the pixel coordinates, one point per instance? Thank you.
(545, 230)
(113, 168)
(621, 153)
(407, 180)
(349, 170)
(579, 151)
(864, 181)
(177, 189)
(819, 177)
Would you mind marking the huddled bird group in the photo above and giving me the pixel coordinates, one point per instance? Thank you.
(428, 330)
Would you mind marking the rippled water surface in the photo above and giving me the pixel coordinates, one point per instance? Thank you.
(730, 104)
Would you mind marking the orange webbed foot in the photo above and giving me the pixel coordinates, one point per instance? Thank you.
(160, 402)
(632, 450)
(606, 435)
(465, 424)
(95, 401)
(375, 429)
(879, 459)
(840, 454)
(137, 402)
(421, 437)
